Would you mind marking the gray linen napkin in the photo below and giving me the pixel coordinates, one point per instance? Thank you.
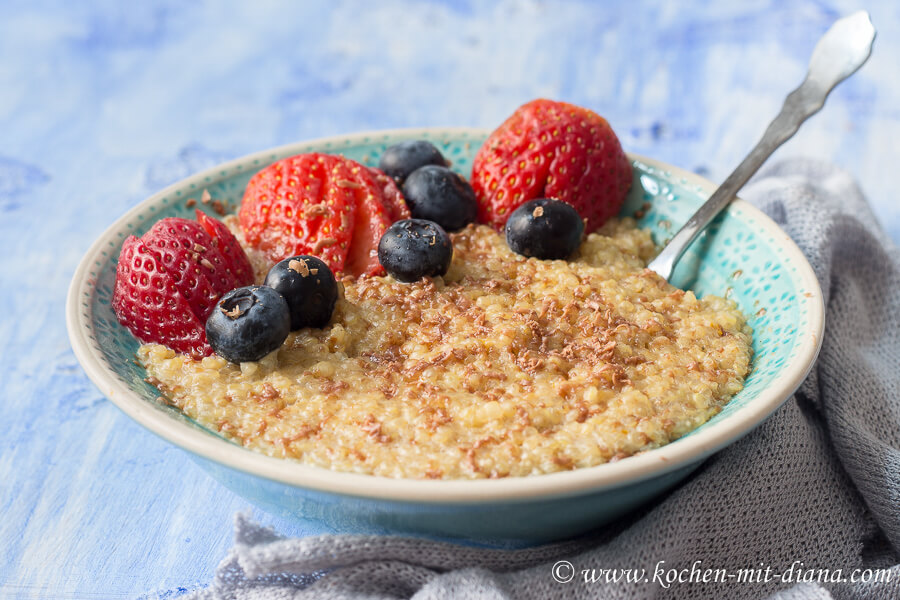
(818, 483)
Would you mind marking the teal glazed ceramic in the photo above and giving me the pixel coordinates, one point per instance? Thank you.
(743, 255)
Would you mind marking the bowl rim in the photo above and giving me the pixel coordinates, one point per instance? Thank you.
(678, 454)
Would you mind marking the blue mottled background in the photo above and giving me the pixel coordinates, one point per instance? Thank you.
(103, 103)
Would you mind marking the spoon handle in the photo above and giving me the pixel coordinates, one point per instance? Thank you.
(841, 51)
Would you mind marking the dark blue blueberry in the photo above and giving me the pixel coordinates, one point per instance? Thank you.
(415, 248)
(440, 195)
(248, 323)
(309, 288)
(544, 228)
(400, 160)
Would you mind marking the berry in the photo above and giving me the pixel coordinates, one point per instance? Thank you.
(544, 228)
(415, 248)
(309, 288)
(235, 260)
(248, 323)
(440, 195)
(303, 204)
(391, 196)
(400, 160)
(169, 279)
(321, 205)
(551, 149)
(369, 224)
(146, 302)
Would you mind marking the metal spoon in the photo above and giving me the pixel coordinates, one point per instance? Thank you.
(841, 51)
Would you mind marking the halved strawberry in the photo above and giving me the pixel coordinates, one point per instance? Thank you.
(169, 280)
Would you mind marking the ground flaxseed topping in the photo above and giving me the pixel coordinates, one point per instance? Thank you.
(234, 313)
(506, 366)
(300, 267)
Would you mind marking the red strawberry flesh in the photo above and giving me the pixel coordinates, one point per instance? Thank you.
(326, 206)
(372, 220)
(301, 205)
(235, 259)
(392, 198)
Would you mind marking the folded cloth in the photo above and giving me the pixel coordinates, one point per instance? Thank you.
(816, 487)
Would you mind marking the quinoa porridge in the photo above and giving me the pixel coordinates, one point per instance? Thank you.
(506, 366)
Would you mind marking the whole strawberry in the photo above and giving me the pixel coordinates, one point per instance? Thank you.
(550, 149)
(321, 205)
(169, 280)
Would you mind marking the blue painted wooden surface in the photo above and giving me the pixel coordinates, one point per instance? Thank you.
(103, 103)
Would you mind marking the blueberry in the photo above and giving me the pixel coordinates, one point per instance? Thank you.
(440, 195)
(415, 248)
(401, 159)
(248, 323)
(309, 288)
(544, 228)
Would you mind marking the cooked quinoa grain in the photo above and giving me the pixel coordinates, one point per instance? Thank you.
(507, 366)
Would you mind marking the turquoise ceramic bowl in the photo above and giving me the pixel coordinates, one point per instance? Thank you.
(744, 255)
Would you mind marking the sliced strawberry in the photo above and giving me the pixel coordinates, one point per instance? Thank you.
(326, 206)
(146, 301)
(169, 280)
(372, 220)
(391, 196)
(304, 204)
(234, 257)
(185, 250)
